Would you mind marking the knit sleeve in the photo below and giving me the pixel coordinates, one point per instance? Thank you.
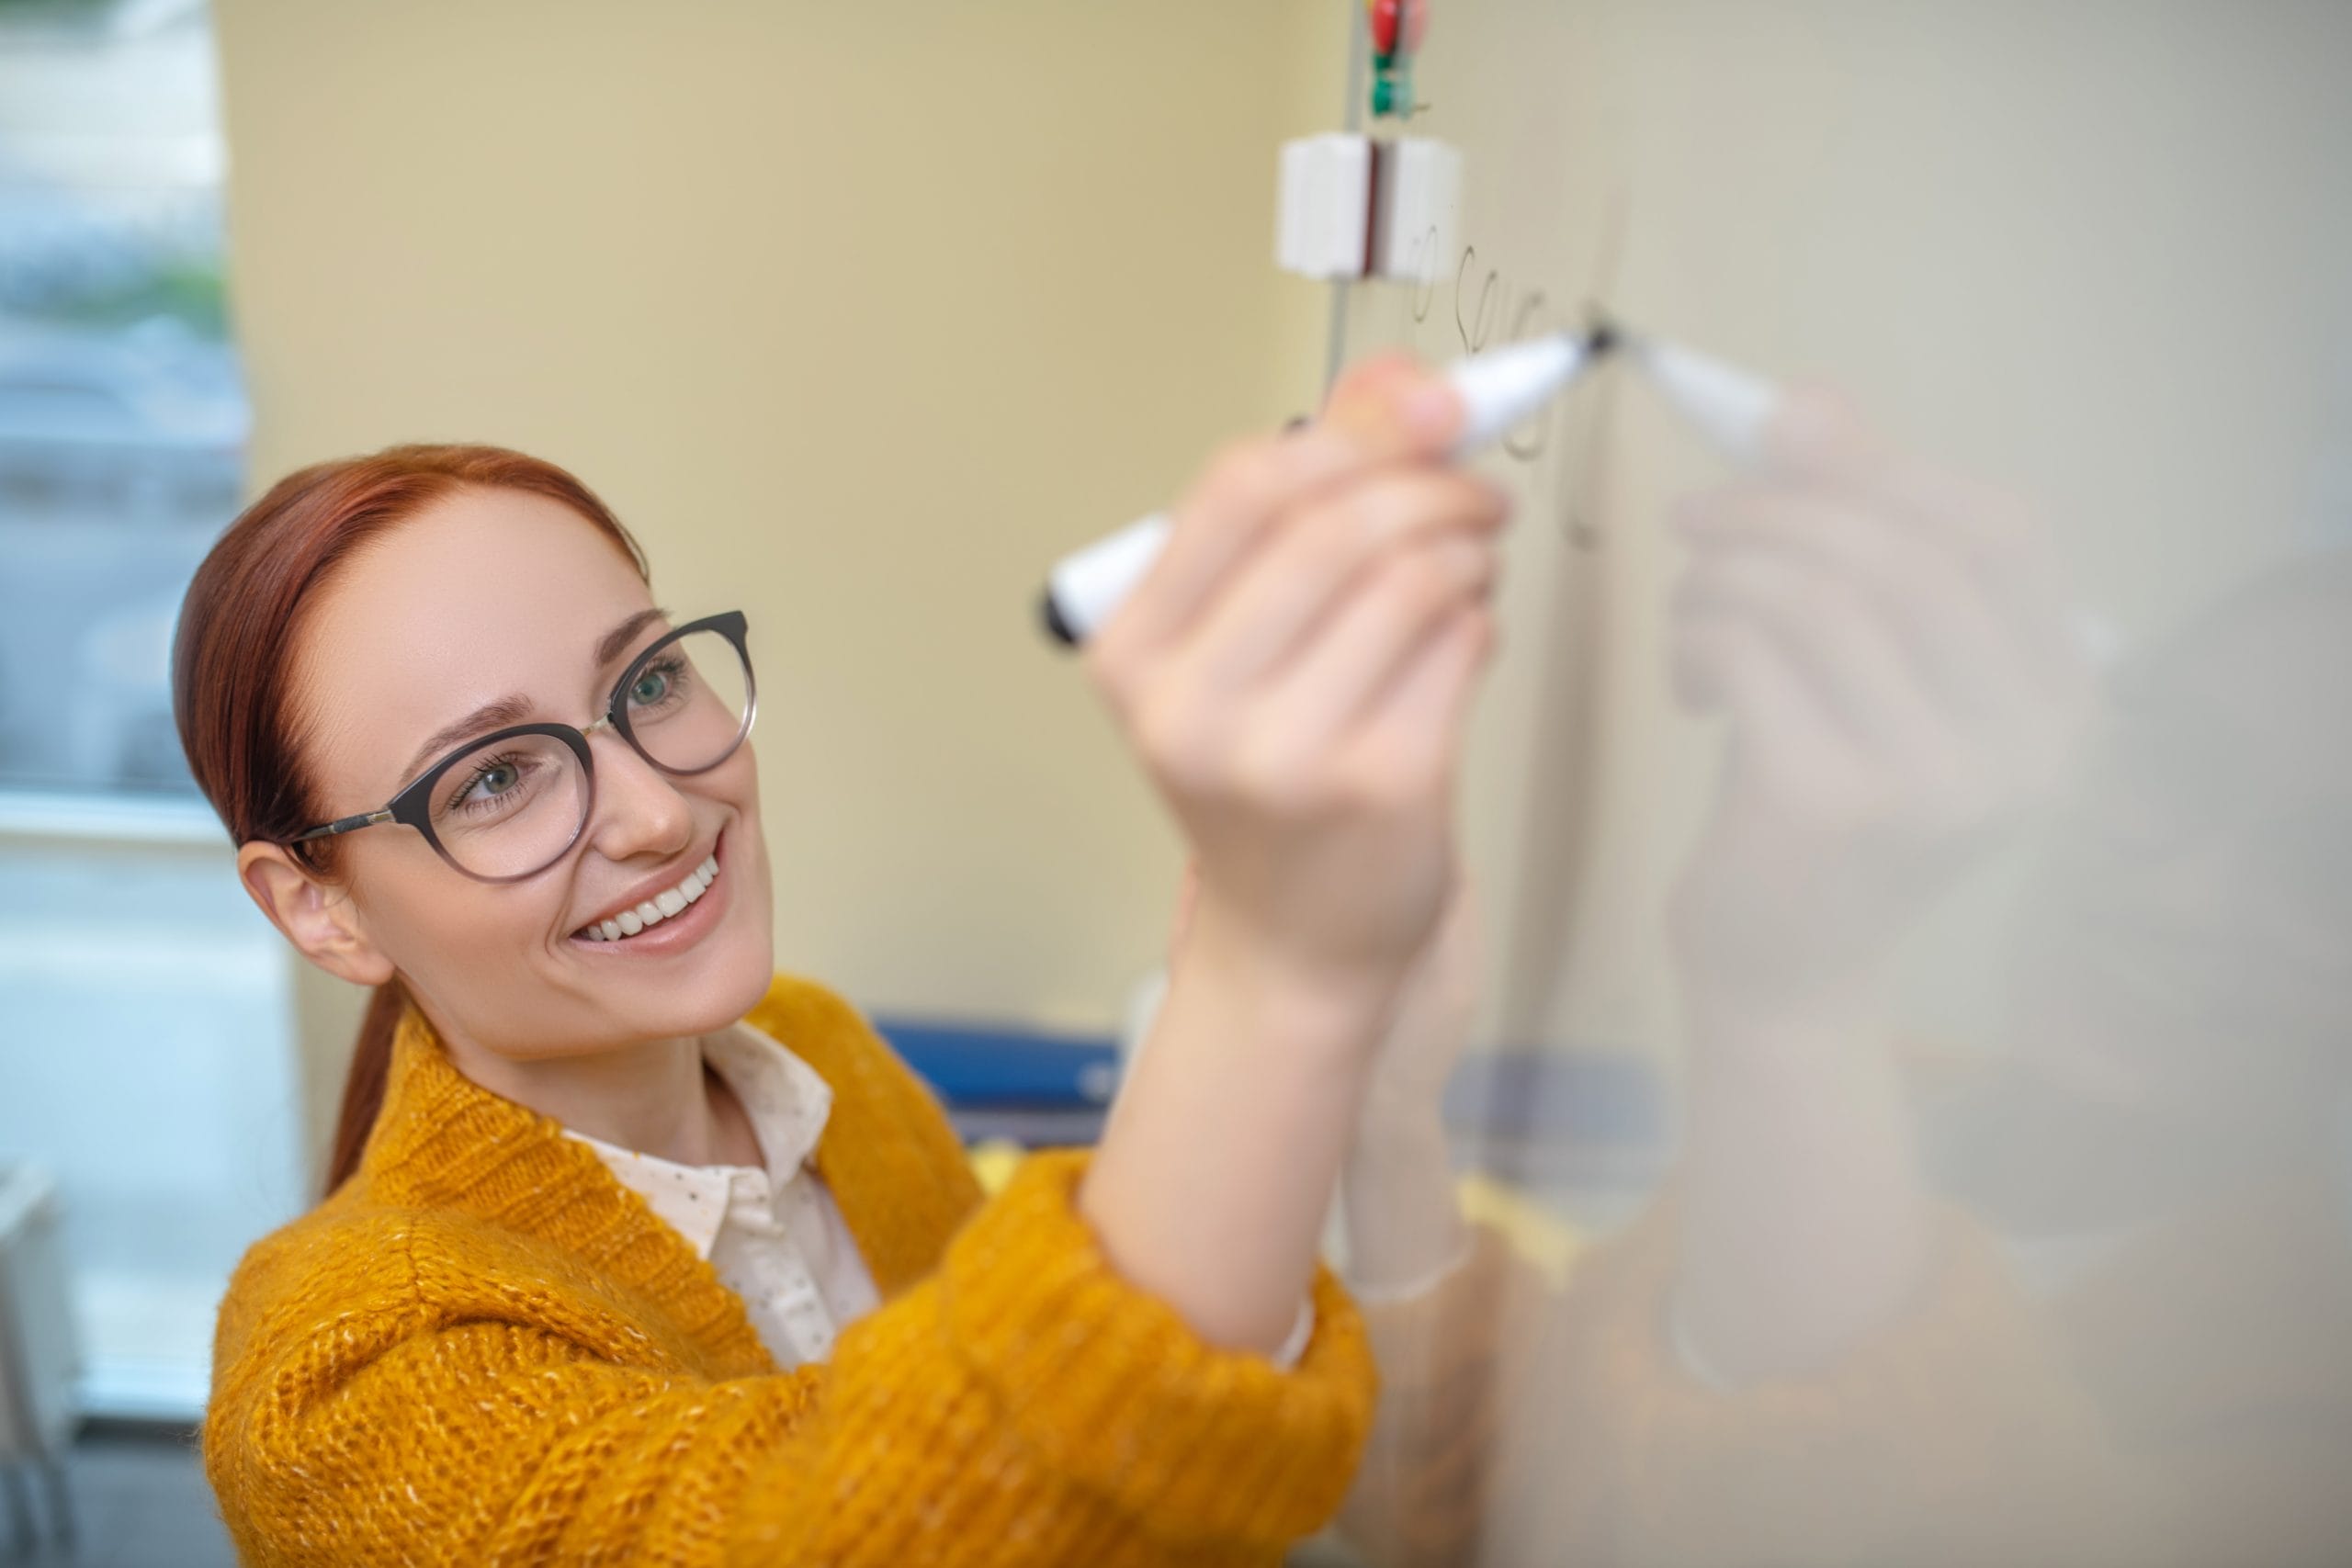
(1058, 1413)
(1024, 1404)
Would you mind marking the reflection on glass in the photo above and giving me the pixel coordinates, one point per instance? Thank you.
(2084, 1295)
(2005, 1213)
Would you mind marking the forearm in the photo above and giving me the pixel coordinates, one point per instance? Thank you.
(1803, 1225)
(1401, 1214)
(1217, 1166)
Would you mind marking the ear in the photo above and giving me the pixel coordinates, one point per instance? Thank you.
(318, 919)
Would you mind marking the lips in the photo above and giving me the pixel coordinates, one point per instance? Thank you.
(651, 906)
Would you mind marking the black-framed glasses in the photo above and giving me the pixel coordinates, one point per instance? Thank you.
(509, 805)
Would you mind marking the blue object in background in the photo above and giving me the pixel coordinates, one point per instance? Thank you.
(1555, 1120)
(1547, 1119)
(1001, 1081)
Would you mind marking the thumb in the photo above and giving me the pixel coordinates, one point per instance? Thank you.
(1817, 433)
(1395, 405)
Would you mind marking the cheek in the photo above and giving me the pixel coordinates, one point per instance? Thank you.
(433, 922)
(755, 913)
(744, 965)
(737, 785)
(742, 771)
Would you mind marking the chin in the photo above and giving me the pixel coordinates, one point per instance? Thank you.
(730, 986)
(747, 978)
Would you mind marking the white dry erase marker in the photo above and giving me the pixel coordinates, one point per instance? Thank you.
(1728, 405)
(1497, 390)
(1731, 408)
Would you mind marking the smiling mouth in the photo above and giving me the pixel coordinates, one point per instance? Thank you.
(672, 900)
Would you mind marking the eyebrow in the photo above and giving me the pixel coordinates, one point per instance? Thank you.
(621, 635)
(514, 707)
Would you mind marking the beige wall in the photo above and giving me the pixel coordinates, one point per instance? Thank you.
(859, 315)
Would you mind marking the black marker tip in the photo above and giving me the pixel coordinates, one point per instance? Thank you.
(1050, 612)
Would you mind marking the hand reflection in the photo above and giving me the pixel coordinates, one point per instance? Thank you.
(1902, 688)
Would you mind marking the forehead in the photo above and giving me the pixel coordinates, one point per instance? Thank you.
(483, 594)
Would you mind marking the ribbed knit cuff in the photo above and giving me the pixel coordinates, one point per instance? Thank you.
(1114, 1389)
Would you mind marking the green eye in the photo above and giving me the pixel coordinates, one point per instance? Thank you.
(492, 783)
(659, 684)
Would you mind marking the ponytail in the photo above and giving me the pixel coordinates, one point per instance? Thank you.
(363, 1086)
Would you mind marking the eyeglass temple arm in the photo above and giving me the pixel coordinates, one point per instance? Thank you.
(344, 825)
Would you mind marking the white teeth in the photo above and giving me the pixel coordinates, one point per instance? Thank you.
(654, 910)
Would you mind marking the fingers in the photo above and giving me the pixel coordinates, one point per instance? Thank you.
(1385, 412)
(1965, 651)
(1818, 438)
(1815, 434)
(1285, 590)
(1787, 734)
(1849, 655)
(1957, 567)
(1414, 730)
(1901, 621)
(1371, 397)
(1367, 653)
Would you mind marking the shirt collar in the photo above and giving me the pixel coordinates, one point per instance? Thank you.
(787, 1104)
(785, 1100)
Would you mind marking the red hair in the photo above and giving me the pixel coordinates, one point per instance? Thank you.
(233, 662)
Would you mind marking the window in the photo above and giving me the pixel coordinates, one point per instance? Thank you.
(122, 409)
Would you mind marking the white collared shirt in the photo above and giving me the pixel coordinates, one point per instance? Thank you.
(774, 1236)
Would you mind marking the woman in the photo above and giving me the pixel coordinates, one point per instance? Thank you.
(468, 762)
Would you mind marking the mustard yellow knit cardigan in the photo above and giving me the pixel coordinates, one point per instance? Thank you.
(483, 1350)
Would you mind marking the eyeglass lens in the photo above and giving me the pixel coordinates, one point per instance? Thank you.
(686, 705)
(511, 807)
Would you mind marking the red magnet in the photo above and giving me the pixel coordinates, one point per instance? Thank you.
(1396, 20)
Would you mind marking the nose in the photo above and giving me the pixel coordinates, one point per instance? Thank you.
(639, 809)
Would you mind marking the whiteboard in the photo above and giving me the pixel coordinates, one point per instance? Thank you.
(1996, 226)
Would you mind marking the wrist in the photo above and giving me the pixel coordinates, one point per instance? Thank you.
(1319, 1013)
(1378, 1281)
(1401, 1208)
(1399, 1117)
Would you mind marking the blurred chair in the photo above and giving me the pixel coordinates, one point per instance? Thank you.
(37, 1351)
